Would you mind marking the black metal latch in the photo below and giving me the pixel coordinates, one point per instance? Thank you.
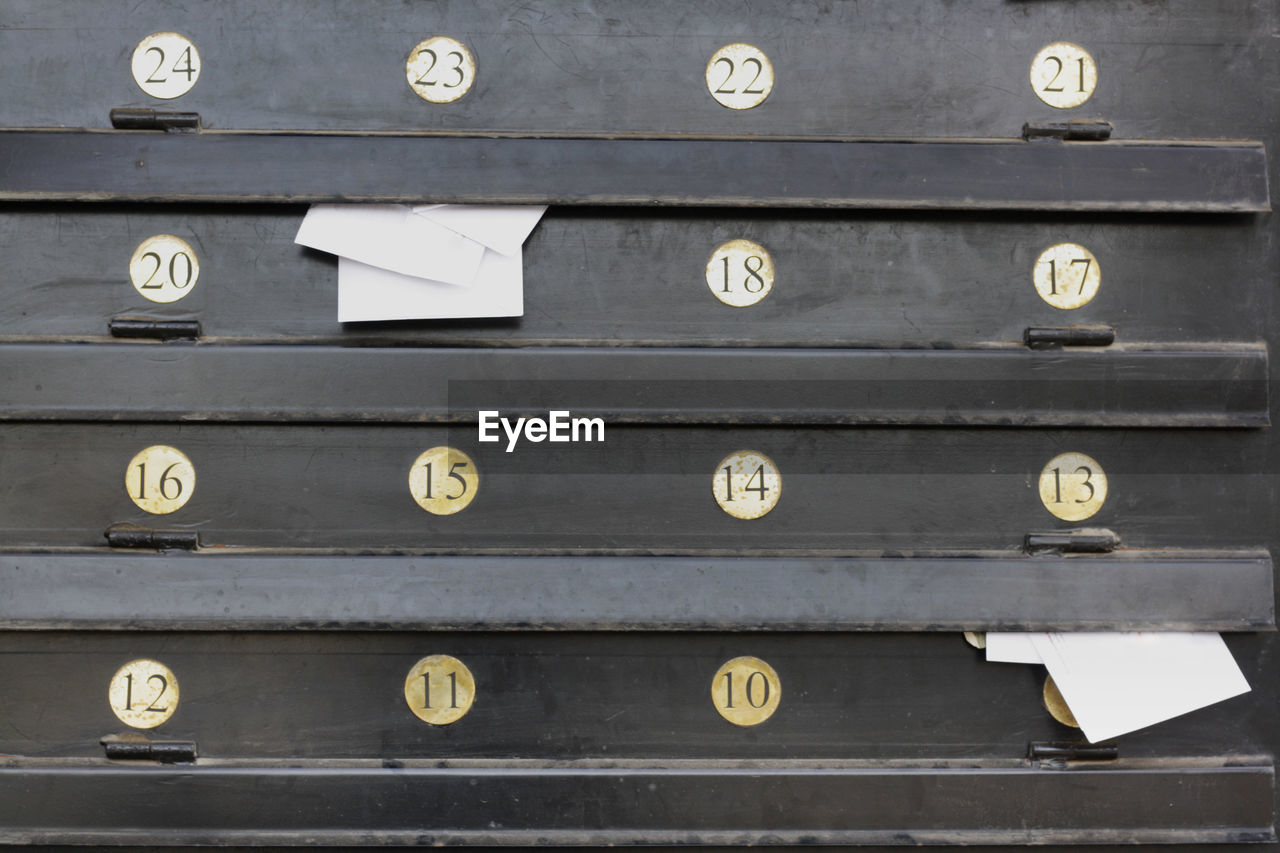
(132, 747)
(1090, 540)
(1055, 755)
(1075, 130)
(136, 536)
(145, 327)
(1049, 337)
(142, 118)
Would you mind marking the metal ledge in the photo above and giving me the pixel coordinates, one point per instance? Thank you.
(1187, 387)
(214, 590)
(1154, 175)
(525, 803)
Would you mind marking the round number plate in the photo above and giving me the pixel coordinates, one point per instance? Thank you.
(746, 691)
(143, 693)
(165, 65)
(439, 690)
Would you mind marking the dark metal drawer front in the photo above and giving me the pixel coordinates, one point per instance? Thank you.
(619, 276)
(573, 805)
(1154, 176)
(212, 591)
(1213, 386)
(628, 67)
(642, 490)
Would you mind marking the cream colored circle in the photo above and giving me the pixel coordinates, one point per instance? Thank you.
(1073, 486)
(1063, 75)
(165, 65)
(746, 691)
(157, 262)
(160, 479)
(443, 480)
(440, 69)
(977, 639)
(1056, 705)
(1067, 275)
(740, 273)
(452, 690)
(739, 76)
(143, 693)
(747, 484)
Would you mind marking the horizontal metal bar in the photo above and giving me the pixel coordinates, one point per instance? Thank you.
(939, 174)
(1006, 387)
(1170, 591)
(782, 802)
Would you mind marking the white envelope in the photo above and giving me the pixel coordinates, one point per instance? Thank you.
(1010, 647)
(503, 228)
(370, 293)
(1118, 683)
(391, 237)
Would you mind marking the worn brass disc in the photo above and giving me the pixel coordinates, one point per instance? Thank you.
(746, 691)
(443, 480)
(739, 76)
(440, 69)
(1056, 705)
(740, 273)
(1073, 486)
(746, 484)
(439, 690)
(1067, 275)
(164, 268)
(160, 479)
(165, 65)
(1063, 75)
(143, 693)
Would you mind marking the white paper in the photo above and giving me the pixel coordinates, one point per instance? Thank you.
(1010, 647)
(1118, 683)
(502, 228)
(370, 293)
(392, 237)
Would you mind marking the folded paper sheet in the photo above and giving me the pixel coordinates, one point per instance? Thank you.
(502, 228)
(391, 237)
(1119, 683)
(1011, 647)
(367, 293)
(432, 262)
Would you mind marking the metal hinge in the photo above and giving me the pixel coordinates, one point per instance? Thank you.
(1051, 337)
(132, 747)
(1085, 541)
(143, 327)
(142, 118)
(1056, 755)
(136, 536)
(1075, 130)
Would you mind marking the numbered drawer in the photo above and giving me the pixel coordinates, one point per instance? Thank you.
(611, 276)
(564, 696)
(573, 487)
(730, 67)
(706, 738)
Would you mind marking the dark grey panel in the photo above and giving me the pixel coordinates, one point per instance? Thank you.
(921, 696)
(1157, 176)
(1193, 68)
(1209, 385)
(1130, 591)
(611, 804)
(649, 490)
(615, 276)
